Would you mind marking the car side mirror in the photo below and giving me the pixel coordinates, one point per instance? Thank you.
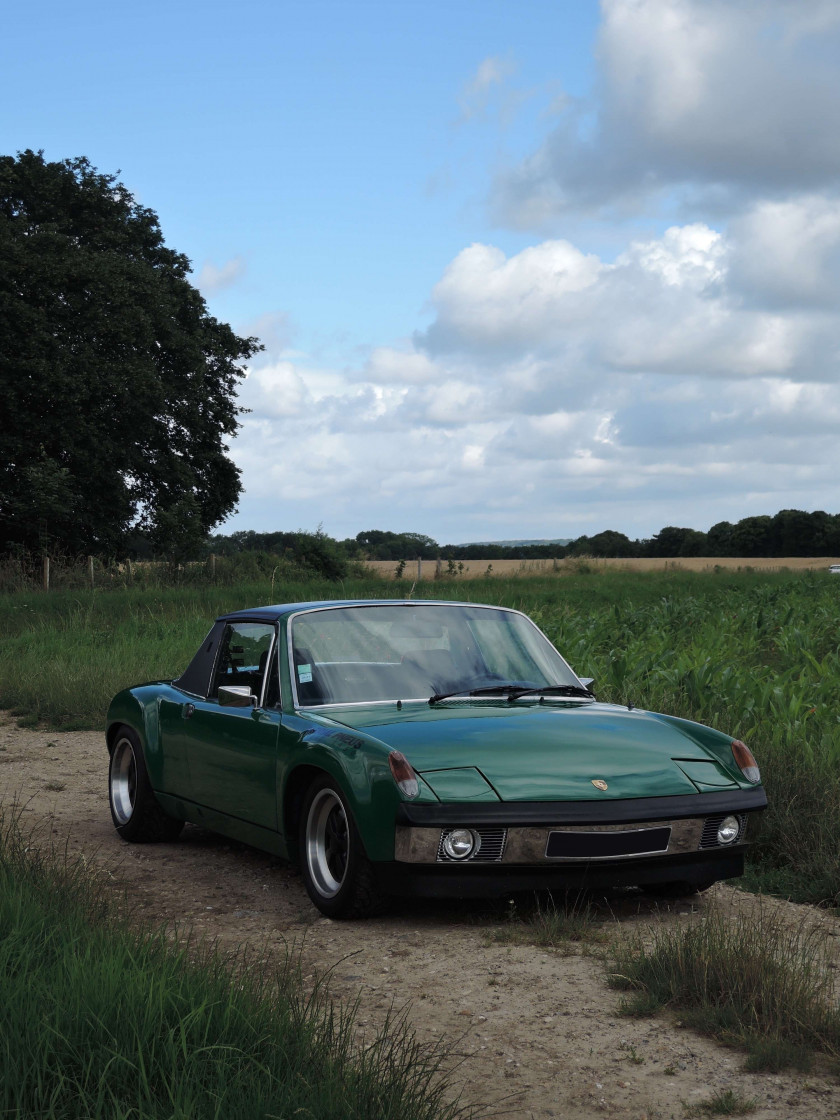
(587, 682)
(236, 696)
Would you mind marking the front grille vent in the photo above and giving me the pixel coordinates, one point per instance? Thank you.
(491, 846)
(712, 824)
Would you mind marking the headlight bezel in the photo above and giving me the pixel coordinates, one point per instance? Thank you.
(728, 830)
(465, 836)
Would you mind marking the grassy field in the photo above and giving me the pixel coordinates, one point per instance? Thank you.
(752, 653)
(105, 1020)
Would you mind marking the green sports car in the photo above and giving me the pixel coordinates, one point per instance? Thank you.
(426, 748)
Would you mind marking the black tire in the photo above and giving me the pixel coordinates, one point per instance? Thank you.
(135, 811)
(337, 874)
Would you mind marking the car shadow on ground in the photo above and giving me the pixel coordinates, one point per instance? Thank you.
(602, 908)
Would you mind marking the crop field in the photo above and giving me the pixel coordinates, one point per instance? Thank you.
(571, 565)
(752, 653)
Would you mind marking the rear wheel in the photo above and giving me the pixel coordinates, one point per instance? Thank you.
(337, 874)
(135, 811)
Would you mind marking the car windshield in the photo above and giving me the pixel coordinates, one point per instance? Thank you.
(409, 651)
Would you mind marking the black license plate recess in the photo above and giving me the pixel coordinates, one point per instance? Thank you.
(606, 845)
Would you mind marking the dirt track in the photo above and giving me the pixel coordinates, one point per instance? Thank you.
(536, 1029)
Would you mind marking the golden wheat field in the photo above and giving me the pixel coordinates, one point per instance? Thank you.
(472, 569)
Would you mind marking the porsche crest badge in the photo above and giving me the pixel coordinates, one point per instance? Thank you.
(599, 783)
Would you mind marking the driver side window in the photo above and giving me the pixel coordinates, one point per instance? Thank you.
(243, 657)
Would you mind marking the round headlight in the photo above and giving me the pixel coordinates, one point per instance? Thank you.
(728, 830)
(459, 843)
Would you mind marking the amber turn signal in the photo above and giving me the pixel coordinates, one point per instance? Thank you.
(745, 761)
(404, 775)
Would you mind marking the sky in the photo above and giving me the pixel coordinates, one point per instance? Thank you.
(521, 270)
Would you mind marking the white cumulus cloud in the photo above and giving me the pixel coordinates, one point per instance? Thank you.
(689, 375)
(715, 98)
(486, 298)
(788, 252)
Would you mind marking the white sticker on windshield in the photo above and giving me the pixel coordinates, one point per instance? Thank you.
(305, 674)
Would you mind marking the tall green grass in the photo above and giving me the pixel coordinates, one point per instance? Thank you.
(102, 1021)
(63, 655)
(756, 655)
(752, 982)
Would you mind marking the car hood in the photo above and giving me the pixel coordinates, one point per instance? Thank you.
(544, 752)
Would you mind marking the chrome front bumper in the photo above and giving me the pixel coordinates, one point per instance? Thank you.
(534, 845)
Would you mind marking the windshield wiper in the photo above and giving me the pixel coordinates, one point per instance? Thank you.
(485, 691)
(557, 689)
(514, 691)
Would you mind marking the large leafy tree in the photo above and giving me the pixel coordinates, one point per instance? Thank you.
(670, 541)
(607, 543)
(381, 544)
(117, 388)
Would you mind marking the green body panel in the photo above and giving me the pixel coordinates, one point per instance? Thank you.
(546, 752)
(265, 839)
(465, 784)
(231, 756)
(360, 766)
(228, 769)
(707, 775)
(715, 744)
(138, 707)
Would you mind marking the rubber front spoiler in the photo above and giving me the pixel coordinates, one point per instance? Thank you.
(448, 880)
(508, 814)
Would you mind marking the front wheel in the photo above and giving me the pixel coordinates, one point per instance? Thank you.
(135, 811)
(337, 874)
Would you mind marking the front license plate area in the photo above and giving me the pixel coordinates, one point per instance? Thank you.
(607, 845)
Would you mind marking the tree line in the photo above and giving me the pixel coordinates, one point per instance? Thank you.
(790, 532)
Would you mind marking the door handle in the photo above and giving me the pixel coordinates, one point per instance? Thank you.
(187, 711)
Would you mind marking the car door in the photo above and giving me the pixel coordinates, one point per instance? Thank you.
(232, 751)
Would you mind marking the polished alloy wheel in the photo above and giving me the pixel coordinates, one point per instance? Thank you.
(123, 781)
(327, 842)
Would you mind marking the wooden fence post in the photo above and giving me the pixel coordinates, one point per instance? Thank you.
(419, 569)
(130, 570)
(46, 573)
(213, 567)
(90, 572)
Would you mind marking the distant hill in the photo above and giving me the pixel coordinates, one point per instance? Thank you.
(516, 544)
